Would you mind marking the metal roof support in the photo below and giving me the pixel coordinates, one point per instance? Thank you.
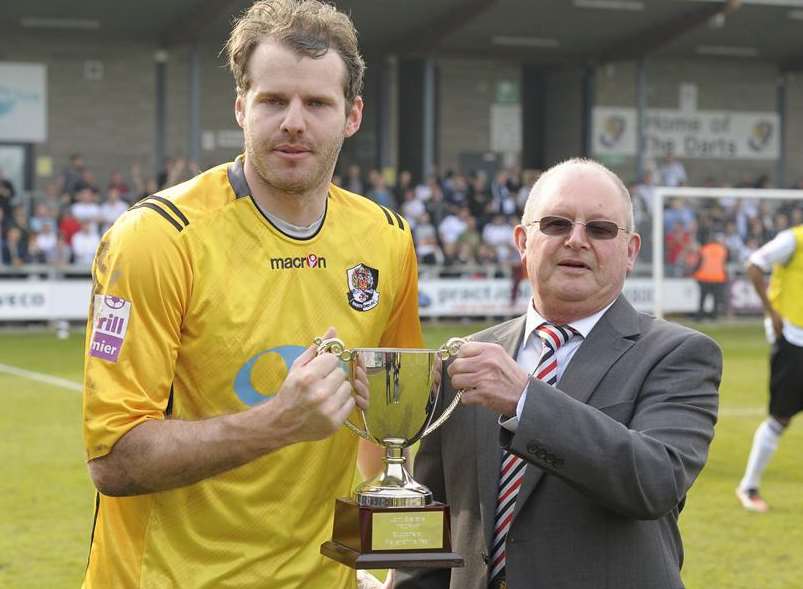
(160, 135)
(780, 93)
(194, 92)
(641, 118)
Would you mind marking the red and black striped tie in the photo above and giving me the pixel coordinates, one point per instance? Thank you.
(512, 472)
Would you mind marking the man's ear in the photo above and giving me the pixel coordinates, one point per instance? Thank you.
(520, 239)
(354, 117)
(239, 109)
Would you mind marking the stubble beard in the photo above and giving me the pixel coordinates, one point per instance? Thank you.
(292, 182)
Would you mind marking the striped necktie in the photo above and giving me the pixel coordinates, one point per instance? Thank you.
(511, 474)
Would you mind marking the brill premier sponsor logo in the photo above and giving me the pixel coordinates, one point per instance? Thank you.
(109, 325)
(308, 261)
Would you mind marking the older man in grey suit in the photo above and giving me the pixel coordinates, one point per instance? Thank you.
(586, 422)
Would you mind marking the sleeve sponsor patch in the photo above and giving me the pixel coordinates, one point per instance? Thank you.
(109, 325)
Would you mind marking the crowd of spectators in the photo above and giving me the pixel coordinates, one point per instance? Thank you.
(461, 222)
(62, 225)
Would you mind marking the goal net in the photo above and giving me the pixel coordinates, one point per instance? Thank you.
(679, 219)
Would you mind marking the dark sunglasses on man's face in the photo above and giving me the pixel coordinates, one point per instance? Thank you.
(559, 226)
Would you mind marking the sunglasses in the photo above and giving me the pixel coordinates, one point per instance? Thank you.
(561, 226)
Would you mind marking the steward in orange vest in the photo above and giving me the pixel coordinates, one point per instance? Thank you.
(712, 276)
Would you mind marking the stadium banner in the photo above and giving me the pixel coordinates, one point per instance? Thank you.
(491, 297)
(45, 300)
(23, 102)
(699, 134)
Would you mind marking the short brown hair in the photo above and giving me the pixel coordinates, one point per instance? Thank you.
(308, 27)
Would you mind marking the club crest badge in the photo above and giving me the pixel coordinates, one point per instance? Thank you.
(363, 282)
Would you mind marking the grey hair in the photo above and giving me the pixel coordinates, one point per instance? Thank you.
(529, 208)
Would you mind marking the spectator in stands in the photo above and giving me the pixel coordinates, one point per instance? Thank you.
(116, 182)
(499, 235)
(424, 190)
(672, 171)
(15, 248)
(45, 243)
(71, 177)
(737, 250)
(452, 227)
(137, 183)
(42, 213)
(457, 195)
(486, 255)
(111, 209)
(353, 181)
(182, 170)
(479, 197)
(780, 222)
(404, 183)
(678, 211)
(68, 226)
(756, 229)
(503, 201)
(84, 244)
(20, 220)
(436, 206)
(379, 192)
(87, 181)
(679, 244)
(412, 208)
(471, 237)
(7, 194)
(164, 174)
(86, 209)
(426, 242)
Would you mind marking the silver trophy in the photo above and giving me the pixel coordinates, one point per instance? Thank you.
(403, 387)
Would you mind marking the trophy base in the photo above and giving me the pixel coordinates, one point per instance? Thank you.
(375, 560)
(391, 537)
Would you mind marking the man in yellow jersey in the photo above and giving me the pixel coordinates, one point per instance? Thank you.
(783, 305)
(213, 433)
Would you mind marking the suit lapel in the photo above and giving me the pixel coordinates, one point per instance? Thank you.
(607, 341)
(486, 423)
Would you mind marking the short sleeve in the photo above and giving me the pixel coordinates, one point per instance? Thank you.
(404, 326)
(141, 283)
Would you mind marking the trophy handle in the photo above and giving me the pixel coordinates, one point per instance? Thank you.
(445, 415)
(447, 350)
(338, 348)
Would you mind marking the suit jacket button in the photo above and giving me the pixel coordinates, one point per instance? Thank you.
(485, 557)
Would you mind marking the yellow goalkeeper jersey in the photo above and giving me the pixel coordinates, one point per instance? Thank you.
(199, 306)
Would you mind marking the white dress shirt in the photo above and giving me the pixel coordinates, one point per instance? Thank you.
(530, 351)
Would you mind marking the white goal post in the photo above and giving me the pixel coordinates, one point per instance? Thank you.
(663, 192)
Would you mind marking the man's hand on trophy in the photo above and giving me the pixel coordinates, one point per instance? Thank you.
(362, 395)
(488, 377)
(315, 398)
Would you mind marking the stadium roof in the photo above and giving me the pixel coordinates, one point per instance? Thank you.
(552, 33)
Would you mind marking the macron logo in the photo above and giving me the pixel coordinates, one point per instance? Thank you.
(309, 261)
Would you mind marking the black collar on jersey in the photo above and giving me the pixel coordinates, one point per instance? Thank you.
(236, 174)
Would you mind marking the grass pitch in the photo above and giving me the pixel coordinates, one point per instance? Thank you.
(46, 499)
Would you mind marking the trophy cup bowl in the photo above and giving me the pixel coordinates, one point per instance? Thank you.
(392, 520)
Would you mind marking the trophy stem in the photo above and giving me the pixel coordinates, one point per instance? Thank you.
(395, 487)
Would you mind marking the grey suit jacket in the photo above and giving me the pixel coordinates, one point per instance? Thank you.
(611, 451)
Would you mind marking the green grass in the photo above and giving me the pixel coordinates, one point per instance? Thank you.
(46, 499)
